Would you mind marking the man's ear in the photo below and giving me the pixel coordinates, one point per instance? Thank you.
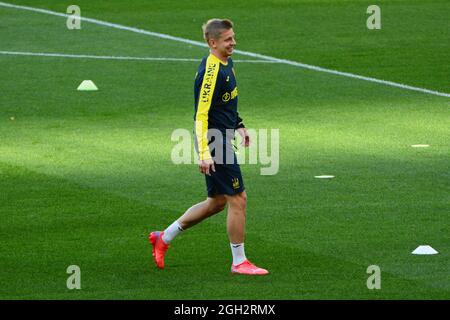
(212, 43)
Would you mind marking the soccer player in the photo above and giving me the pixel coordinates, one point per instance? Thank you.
(216, 100)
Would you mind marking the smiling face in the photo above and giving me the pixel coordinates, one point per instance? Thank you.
(224, 45)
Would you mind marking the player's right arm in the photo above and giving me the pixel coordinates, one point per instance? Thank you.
(205, 99)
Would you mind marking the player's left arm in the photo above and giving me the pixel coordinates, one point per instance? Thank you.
(240, 127)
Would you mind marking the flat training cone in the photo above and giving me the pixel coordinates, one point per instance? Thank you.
(87, 85)
(424, 250)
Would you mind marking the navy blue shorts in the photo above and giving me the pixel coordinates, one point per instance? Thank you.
(228, 178)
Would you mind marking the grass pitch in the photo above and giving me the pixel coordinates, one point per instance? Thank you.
(86, 175)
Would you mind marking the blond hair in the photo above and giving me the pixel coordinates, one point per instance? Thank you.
(214, 27)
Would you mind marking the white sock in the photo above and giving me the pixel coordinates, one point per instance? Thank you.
(237, 249)
(171, 232)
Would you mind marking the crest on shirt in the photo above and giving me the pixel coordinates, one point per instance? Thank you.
(227, 95)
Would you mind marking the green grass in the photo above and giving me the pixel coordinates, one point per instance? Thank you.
(86, 175)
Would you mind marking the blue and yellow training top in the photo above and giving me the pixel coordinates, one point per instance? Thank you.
(216, 98)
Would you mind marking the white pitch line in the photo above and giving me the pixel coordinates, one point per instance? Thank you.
(246, 53)
(87, 56)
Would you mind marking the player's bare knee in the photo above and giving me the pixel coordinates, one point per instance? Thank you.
(242, 200)
(242, 205)
(239, 202)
